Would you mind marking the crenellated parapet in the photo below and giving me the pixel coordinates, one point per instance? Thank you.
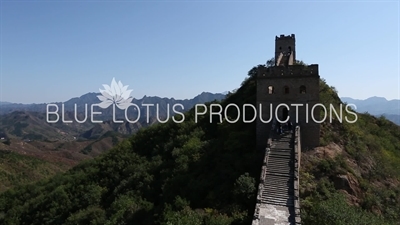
(297, 159)
(282, 37)
(290, 71)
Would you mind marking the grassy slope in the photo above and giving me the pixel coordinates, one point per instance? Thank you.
(368, 154)
(26, 162)
(16, 169)
(207, 174)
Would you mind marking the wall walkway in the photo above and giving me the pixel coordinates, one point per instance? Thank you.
(278, 191)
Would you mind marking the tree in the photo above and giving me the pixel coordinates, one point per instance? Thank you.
(253, 71)
(245, 186)
(300, 62)
(270, 62)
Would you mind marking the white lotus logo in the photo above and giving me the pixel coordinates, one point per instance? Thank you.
(116, 94)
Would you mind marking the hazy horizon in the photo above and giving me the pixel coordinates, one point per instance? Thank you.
(5, 101)
(55, 51)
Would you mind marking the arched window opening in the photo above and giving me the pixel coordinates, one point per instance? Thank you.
(302, 89)
(290, 49)
(270, 89)
(286, 90)
(280, 48)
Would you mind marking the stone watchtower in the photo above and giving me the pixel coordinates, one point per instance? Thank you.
(287, 83)
(285, 51)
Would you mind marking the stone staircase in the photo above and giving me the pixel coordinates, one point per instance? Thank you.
(277, 203)
(278, 188)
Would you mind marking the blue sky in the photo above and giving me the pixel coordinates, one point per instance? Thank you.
(53, 51)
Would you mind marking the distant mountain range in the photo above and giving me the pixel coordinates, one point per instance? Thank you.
(32, 123)
(91, 98)
(28, 121)
(377, 106)
(373, 105)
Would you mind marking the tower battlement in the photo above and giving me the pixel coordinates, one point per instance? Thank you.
(290, 71)
(282, 36)
(285, 45)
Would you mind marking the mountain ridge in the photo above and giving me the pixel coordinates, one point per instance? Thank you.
(98, 93)
(377, 106)
(91, 98)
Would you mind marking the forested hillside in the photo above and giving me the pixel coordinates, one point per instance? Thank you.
(170, 173)
(207, 173)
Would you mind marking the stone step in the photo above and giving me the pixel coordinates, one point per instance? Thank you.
(277, 171)
(274, 186)
(276, 195)
(282, 153)
(277, 202)
(280, 158)
(291, 175)
(282, 201)
(278, 165)
(280, 169)
(278, 183)
(281, 147)
(273, 178)
(278, 180)
(286, 149)
(285, 199)
(284, 143)
(282, 189)
(286, 191)
(288, 155)
(277, 188)
(274, 160)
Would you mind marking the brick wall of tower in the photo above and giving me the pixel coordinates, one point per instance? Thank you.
(291, 78)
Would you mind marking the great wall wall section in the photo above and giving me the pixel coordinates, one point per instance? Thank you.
(278, 200)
